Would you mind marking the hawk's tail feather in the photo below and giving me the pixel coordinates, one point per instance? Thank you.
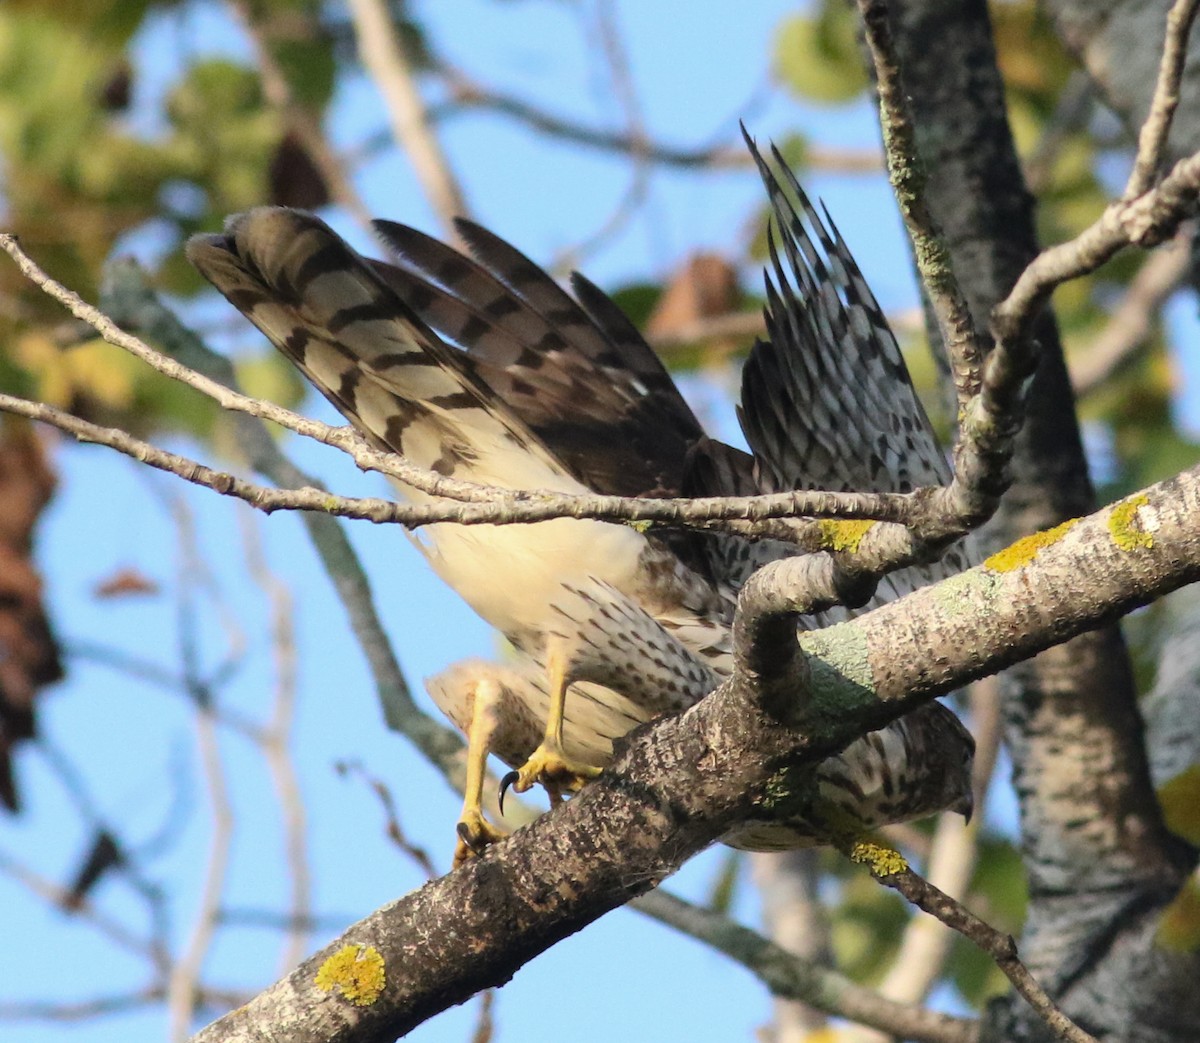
(321, 304)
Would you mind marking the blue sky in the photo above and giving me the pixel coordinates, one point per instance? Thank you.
(624, 977)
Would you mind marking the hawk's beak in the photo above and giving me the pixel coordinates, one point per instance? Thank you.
(965, 806)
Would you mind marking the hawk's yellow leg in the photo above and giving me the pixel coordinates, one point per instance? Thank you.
(474, 831)
(549, 764)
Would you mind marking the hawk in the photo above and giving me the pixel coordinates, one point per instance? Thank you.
(483, 368)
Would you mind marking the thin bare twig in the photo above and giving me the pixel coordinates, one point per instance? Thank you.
(276, 743)
(891, 870)
(1145, 221)
(183, 981)
(1152, 138)
(1130, 323)
(925, 944)
(299, 119)
(117, 1003)
(341, 437)
(716, 510)
(809, 981)
(950, 862)
(468, 94)
(512, 505)
(80, 1010)
(54, 894)
(620, 80)
(964, 346)
(385, 61)
(391, 818)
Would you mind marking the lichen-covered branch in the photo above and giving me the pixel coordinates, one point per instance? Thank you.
(1099, 861)
(893, 871)
(963, 343)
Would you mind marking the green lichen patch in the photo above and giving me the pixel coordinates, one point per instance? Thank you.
(1026, 549)
(840, 668)
(963, 590)
(789, 791)
(1126, 526)
(842, 535)
(356, 972)
(882, 861)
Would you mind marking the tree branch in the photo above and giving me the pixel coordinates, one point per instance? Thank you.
(1152, 139)
(963, 344)
(892, 871)
(789, 976)
(385, 61)
(1131, 321)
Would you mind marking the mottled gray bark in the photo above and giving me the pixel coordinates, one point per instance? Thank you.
(1100, 863)
(1119, 43)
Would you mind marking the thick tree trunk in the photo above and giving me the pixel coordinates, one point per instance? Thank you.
(1101, 865)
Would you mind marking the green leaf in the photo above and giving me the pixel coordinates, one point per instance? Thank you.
(818, 57)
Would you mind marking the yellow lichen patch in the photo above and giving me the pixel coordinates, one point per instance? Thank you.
(837, 534)
(1026, 549)
(1180, 801)
(882, 861)
(1127, 528)
(1179, 925)
(356, 971)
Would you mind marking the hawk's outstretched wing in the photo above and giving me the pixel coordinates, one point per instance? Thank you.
(827, 401)
(362, 346)
(588, 600)
(578, 374)
(831, 360)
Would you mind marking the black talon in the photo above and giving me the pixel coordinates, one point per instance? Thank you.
(505, 782)
(464, 835)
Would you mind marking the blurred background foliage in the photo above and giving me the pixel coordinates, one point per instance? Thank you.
(86, 164)
(79, 174)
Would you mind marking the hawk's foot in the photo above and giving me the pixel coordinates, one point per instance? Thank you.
(474, 834)
(549, 766)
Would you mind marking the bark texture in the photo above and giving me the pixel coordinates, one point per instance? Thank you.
(1119, 43)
